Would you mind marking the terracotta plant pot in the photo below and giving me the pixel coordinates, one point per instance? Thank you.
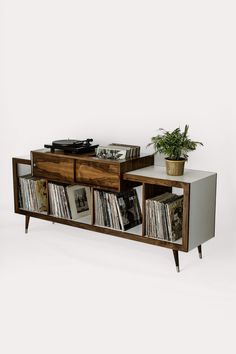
(175, 167)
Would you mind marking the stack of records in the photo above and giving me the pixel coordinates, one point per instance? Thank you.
(120, 211)
(164, 217)
(116, 151)
(33, 194)
(69, 202)
(59, 205)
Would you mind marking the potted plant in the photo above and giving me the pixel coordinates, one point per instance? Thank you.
(175, 145)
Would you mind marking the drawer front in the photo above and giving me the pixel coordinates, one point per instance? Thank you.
(98, 174)
(53, 167)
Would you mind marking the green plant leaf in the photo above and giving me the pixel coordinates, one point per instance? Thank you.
(174, 145)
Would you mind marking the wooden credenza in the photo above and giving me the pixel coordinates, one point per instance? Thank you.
(198, 189)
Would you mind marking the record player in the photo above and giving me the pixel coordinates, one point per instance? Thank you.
(72, 146)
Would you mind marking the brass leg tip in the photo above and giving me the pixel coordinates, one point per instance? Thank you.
(26, 231)
(177, 268)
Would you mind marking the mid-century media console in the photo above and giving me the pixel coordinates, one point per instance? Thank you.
(198, 189)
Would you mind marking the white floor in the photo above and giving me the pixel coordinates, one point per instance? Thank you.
(65, 290)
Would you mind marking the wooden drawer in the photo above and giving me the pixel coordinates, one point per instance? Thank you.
(85, 169)
(99, 174)
(53, 167)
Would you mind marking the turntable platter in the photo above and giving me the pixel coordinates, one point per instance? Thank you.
(67, 142)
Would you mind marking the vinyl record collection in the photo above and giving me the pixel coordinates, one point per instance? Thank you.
(33, 194)
(116, 151)
(164, 217)
(69, 202)
(117, 210)
(120, 211)
(59, 205)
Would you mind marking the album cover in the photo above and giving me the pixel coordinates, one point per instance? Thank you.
(79, 200)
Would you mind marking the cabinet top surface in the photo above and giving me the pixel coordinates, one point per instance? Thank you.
(158, 172)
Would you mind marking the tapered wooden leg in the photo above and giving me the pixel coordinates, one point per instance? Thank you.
(176, 257)
(200, 251)
(27, 219)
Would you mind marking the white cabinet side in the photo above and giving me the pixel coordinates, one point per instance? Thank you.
(202, 211)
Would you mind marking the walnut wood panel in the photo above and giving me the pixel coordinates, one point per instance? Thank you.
(15, 162)
(153, 190)
(86, 169)
(136, 163)
(151, 180)
(22, 161)
(53, 167)
(15, 185)
(98, 174)
(108, 174)
(125, 185)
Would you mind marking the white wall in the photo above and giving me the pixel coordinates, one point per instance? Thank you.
(119, 70)
(116, 70)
